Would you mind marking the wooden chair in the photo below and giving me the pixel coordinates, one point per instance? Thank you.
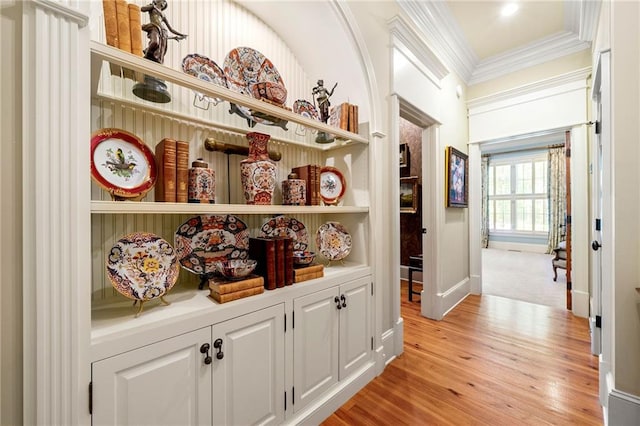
(415, 264)
(560, 259)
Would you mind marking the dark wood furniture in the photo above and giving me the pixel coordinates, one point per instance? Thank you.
(415, 264)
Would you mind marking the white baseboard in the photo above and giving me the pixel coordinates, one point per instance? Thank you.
(623, 409)
(580, 303)
(388, 349)
(532, 248)
(449, 299)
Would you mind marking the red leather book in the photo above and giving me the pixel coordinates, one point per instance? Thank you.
(316, 169)
(280, 263)
(165, 188)
(263, 250)
(182, 171)
(288, 261)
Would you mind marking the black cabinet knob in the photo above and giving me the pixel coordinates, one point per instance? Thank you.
(204, 349)
(337, 300)
(595, 245)
(218, 345)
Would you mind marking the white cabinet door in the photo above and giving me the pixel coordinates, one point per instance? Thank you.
(248, 380)
(355, 326)
(166, 383)
(315, 343)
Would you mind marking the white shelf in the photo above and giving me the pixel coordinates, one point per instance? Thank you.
(141, 207)
(115, 56)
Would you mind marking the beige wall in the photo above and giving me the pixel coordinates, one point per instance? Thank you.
(529, 75)
(625, 110)
(10, 215)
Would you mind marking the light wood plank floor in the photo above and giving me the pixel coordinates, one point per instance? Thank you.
(491, 361)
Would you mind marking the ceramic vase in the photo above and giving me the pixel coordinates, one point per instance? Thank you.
(258, 172)
(294, 191)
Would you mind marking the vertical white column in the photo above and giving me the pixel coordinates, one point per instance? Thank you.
(56, 227)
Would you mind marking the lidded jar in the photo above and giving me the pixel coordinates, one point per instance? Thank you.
(202, 183)
(294, 191)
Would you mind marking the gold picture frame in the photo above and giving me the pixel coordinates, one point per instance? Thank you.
(409, 194)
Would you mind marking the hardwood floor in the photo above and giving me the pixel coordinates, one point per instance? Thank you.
(490, 361)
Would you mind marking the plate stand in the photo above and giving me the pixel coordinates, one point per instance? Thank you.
(162, 299)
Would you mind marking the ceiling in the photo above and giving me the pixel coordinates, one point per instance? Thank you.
(480, 44)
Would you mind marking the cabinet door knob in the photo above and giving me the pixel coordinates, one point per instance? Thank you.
(204, 349)
(218, 345)
(337, 300)
(344, 300)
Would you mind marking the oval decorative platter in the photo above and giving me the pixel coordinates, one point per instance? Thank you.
(306, 109)
(332, 185)
(142, 266)
(122, 164)
(204, 69)
(284, 226)
(333, 241)
(203, 240)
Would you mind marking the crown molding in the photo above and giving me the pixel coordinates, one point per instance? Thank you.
(436, 23)
(415, 48)
(537, 86)
(544, 50)
(73, 15)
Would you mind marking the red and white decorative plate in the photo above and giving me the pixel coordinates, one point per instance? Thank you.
(332, 185)
(142, 266)
(202, 240)
(284, 226)
(333, 241)
(122, 164)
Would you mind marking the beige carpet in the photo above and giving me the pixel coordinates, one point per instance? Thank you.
(522, 276)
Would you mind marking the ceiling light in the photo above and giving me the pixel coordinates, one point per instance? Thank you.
(509, 9)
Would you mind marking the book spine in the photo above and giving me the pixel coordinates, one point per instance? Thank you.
(228, 297)
(344, 116)
(110, 22)
(111, 30)
(135, 27)
(263, 251)
(310, 276)
(165, 188)
(288, 261)
(224, 287)
(356, 127)
(182, 171)
(308, 269)
(352, 118)
(280, 262)
(316, 184)
(124, 33)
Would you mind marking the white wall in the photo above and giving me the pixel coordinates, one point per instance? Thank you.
(11, 214)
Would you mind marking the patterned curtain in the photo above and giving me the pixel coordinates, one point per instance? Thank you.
(557, 197)
(484, 237)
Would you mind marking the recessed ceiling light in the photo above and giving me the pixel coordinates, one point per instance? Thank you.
(509, 9)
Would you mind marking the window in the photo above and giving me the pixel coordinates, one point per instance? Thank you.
(518, 194)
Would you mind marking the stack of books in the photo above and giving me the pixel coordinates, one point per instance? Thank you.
(308, 272)
(123, 29)
(172, 159)
(275, 260)
(311, 175)
(222, 290)
(344, 116)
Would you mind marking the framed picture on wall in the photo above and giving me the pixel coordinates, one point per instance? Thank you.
(404, 155)
(457, 179)
(409, 194)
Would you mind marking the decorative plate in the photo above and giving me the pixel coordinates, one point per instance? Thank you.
(142, 266)
(204, 69)
(284, 226)
(333, 241)
(332, 185)
(306, 109)
(250, 73)
(202, 240)
(122, 164)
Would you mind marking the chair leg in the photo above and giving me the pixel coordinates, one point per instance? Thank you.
(410, 285)
(555, 273)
